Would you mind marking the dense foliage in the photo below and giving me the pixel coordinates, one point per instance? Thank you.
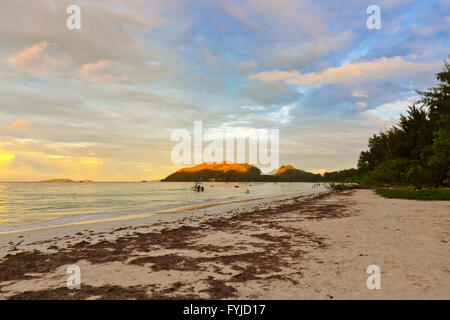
(347, 175)
(417, 150)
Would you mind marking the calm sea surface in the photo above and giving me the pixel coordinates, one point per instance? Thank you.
(36, 204)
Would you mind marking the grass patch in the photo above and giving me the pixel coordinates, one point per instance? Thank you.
(423, 194)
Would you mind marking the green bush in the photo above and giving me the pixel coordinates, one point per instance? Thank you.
(388, 172)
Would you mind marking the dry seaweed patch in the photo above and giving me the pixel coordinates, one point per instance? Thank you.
(218, 289)
(167, 262)
(262, 256)
(262, 262)
(107, 292)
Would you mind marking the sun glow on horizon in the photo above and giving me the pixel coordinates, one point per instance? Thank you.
(6, 156)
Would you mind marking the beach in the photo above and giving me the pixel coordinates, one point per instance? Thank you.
(281, 247)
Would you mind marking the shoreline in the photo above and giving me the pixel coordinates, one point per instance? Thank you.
(143, 212)
(292, 247)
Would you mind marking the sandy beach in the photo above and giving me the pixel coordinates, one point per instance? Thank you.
(288, 247)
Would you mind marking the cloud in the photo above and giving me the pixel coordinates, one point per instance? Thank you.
(361, 105)
(39, 159)
(376, 69)
(248, 64)
(301, 16)
(388, 114)
(282, 115)
(359, 94)
(253, 108)
(97, 72)
(28, 54)
(21, 124)
(238, 13)
(281, 15)
(120, 31)
(268, 93)
(300, 53)
(35, 60)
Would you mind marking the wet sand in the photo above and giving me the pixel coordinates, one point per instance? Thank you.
(291, 247)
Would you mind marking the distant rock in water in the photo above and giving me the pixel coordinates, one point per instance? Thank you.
(64, 180)
(57, 180)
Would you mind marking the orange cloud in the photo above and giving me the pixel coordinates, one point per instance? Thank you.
(97, 72)
(21, 124)
(27, 54)
(35, 60)
(354, 72)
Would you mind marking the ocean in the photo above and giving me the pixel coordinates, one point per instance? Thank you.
(34, 204)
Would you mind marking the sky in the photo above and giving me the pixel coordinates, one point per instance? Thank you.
(101, 102)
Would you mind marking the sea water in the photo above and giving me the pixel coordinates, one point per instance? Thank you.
(35, 204)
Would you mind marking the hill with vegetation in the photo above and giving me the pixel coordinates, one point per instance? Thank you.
(288, 173)
(217, 172)
(234, 172)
